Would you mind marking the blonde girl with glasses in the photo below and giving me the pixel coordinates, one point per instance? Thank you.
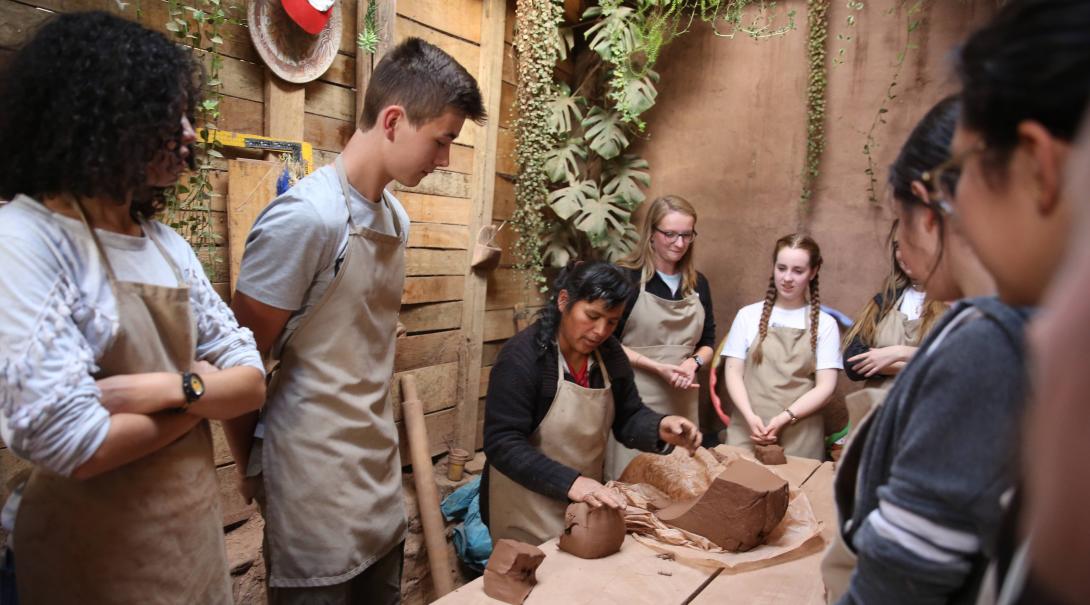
(668, 328)
(782, 357)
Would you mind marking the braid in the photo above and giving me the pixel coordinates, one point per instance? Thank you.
(766, 313)
(815, 317)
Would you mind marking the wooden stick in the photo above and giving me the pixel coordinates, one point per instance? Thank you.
(427, 496)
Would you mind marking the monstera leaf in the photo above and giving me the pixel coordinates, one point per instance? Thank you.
(572, 199)
(601, 215)
(561, 245)
(604, 133)
(618, 23)
(618, 244)
(564, 42)
(624, 177)
(562, 163)
(565, 110)
(639, 93)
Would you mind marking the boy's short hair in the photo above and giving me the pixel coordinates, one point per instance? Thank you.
(425, 81)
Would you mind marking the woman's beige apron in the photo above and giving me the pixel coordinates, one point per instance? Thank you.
(839, 560)
(894, 329)
(666, 331)
(785, 374)
(572, 433)
(331, 467)
(146, 532)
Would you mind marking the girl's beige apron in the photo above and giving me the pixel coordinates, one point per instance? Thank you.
(893, 330)
(331, 467)
(839, 560)
(785, 374)
(666, 331)
(148, 531)
(573, 433)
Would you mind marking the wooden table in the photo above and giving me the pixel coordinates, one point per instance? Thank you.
(638, 575)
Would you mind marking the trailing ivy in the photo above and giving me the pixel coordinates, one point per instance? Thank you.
(535, 33)
(189, 204)
(817, 18)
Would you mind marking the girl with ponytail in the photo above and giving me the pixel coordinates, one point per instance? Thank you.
(782, 357)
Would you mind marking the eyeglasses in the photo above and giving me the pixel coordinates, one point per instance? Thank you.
(942, 181)
(672, 236)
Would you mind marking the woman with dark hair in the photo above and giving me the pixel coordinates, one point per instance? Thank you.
(114, 348)
(890, 326)
(918, 487)
(1025, 88)
(557, 391)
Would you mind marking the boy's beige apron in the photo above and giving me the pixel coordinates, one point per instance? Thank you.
(666, 331)
(150, 530)
(785, 374)
(573, 433)
(331, 467)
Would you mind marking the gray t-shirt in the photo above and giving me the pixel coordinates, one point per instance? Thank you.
(297, 243)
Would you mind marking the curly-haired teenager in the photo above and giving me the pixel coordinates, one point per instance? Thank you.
(114, 348)
(782, 356)
(320, 285)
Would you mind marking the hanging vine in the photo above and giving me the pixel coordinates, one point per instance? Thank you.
(536, 29)
(189, 203)
(870, 147)
(578, 185)
(817, 17)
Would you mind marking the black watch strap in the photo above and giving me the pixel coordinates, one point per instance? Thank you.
(192, 387)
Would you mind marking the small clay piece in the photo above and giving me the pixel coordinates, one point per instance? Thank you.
(769, 454)
(510, 573)
(741, 507)
(592, 533)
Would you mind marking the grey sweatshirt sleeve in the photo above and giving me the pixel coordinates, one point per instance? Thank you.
(940, 504)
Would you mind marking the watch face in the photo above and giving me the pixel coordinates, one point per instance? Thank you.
(196, 384)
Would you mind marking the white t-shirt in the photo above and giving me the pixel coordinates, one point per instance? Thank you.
(744, 331)
(912, 303)
(672, 281)
(295, 247)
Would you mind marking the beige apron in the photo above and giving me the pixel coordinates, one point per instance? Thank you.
(331, 467)
(666, 331)
(839, 560)
(146, 532)
(894, 329)
(786, 374)
(572, 433)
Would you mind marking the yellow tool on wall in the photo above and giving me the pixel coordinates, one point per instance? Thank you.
(299, 151)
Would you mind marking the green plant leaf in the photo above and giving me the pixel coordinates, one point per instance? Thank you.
(561, 245)
(565, 110)
(624, 177)
(600, 215)
(566, 202)
(565, 42)
(638, 94)
(604, 133)
(618, 25)
(618, 244)
(562, 163)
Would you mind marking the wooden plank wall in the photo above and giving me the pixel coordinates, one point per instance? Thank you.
(441, 206)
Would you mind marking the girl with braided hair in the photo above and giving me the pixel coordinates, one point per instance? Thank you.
(782, 357)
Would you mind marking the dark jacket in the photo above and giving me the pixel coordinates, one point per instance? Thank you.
(521, 388)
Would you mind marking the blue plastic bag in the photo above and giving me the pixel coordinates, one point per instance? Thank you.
(471, 539)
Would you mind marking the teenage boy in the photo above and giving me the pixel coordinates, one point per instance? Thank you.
(320, 286)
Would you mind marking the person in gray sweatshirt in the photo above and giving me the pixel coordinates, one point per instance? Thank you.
(918, 490)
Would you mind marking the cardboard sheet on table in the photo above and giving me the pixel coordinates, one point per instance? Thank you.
(798, 535)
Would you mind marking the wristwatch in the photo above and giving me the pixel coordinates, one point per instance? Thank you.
(699, 361)
(192, 387)
(794, 418)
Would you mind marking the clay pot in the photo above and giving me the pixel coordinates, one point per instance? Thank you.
(592, 533)
(456, 462)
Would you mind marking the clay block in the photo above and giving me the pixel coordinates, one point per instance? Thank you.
(678, 475)
(769, 454)
(510, 573)
(741, 507)
(592, 533)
